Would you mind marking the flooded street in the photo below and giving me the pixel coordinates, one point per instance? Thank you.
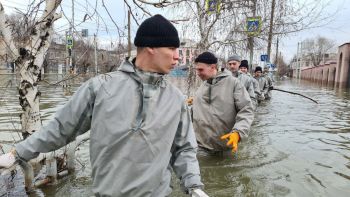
(295, 147)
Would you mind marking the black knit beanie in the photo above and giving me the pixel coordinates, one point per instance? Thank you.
(207, 58)
(244, 63)
(258, 68)
(157, 31)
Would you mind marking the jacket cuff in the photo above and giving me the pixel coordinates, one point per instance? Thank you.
(193, 182)
(23, 154)
(242, 135)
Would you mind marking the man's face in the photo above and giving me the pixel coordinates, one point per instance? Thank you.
(233, 65)
(243, 69)
(205, 71)
(258, 73)
(164, 59)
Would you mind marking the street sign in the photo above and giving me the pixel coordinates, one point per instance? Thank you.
(253, 26)
(84, 32)
(212, 6)
(273, 66)
(264, 58)
(69, 42)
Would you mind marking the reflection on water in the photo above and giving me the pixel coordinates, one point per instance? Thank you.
(295, 148)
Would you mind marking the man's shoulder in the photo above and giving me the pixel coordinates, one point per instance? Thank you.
(108, 78)
(175, 90)
(245, 76)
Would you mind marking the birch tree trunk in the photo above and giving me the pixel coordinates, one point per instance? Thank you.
(29, 59)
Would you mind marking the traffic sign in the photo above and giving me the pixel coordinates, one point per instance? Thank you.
(264, 58)
(253, 26)
(69, 42)
(84, 32)
(212, 6)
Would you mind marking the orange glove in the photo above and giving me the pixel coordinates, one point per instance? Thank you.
(233, 139)
(189, 100)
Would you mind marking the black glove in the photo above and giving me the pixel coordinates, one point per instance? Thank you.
(271, 88)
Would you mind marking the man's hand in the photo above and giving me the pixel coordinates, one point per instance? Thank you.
(8, 160)
(189, 100)
(233, 139)
(261, 97)
(271, 88)
(198, 193)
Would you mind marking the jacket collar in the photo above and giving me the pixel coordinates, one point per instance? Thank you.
(219, 76)
(142, 76)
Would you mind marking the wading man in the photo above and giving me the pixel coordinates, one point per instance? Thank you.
(140, 124)
(222, 109)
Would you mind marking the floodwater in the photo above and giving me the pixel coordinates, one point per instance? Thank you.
(295, 147)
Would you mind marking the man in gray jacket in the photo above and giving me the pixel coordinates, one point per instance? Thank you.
(140, 125)
(262, 81)
(233, 63)
(244, 69)
(221, 108)
(269, 82)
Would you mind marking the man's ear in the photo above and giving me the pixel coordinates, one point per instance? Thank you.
(150, 50)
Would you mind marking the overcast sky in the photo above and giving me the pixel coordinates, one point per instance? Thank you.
(338, 29)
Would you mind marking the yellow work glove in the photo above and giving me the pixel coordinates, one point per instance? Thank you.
(189, 100)
(233, 139)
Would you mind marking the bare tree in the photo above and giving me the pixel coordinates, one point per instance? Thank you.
(282, 67)
(289, 16)
(29, 56)
(225, 29)
(316, 49)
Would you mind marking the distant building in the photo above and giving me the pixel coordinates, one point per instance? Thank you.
(83, 58)
(305, 62)
(5, 65)
(187, 52)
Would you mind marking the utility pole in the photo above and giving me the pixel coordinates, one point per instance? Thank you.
(68, 51)
(95, 43)
(279, 59)
(251, 41)
(301, 58)
(276, 51)
(129, 36)
(72, 29)
(69, 43)
(269, 40)
(297, 62)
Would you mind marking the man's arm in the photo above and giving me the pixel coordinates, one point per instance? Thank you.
(73, 119)
(266, 87)
(245, 112)
(184, 150)
(251, 91)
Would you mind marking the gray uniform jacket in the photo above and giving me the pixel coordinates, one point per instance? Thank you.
(248, 84)
(269, 84)
(220, 107)
(262, 85)
(257, 92)
(140, 130)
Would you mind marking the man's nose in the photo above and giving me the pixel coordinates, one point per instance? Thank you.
(176, 54)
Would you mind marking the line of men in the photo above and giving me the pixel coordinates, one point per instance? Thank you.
(223, 106)
(258, 86)
(141, 129)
